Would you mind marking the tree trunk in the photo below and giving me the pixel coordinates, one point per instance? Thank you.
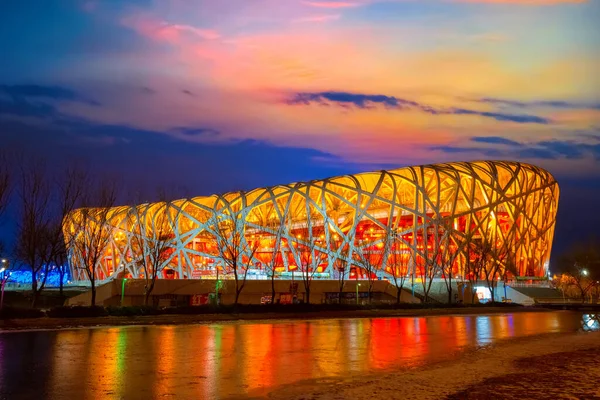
(398, 294)
(237, 287)
(450, 289)
(34, 300)
(148, 291)
(93, 283)
(61, 276)
(273, 286)
(34, 288)
(341, 291)
(307, 300)
(237, 296)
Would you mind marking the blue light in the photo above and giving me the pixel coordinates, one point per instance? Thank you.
(23, 277)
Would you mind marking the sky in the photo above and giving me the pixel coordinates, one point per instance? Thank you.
(206, 96)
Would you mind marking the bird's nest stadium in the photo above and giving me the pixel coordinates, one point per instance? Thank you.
(400, 218)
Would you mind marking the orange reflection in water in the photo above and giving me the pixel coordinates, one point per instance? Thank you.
(240, 359)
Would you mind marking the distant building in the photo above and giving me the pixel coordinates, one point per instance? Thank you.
(397, 223)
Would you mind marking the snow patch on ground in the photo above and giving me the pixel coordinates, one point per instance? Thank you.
(491, 372)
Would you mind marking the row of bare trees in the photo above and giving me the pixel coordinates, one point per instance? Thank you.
(42, 201)
(488, 257)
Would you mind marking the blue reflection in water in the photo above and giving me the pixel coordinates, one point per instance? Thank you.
(483, 330)
(591, 322)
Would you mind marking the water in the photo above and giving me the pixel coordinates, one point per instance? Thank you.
(239, 359)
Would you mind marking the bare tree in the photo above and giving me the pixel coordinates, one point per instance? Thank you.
(70, 187)
(89, 230)
(369, 259)
(500, 251)
(339, 249)
(308, 251)
(233, 246)
(277, 227)
(476, 256)
(396, 263)
(447, 253)
(33, 247)
(151, 240)
(429, 259)
(581, 266)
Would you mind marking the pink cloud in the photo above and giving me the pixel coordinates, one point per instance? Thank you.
(167, 32)
(331, 4)
(319, 18)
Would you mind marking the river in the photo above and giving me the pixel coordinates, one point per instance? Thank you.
(240, 359)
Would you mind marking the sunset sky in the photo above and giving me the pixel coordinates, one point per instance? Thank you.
(216, 95)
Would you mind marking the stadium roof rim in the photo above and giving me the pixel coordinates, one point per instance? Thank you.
(431, 165)
(452, 164)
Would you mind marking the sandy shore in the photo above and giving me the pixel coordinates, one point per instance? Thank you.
(67, 323)
(565, 366)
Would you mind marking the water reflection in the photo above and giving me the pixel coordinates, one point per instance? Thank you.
(591, 322)
(235, 359)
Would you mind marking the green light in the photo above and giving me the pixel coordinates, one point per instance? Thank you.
(123, 291)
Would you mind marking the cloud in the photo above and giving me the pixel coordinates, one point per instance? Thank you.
(209, 34)
(163, 31)
(332, 4)
(356, 99)
(24, 108)
(366, 101)
(20, 92)
(541, 150)
(147, 90)
(38, 101)
(189, 131)
(319, 18)
(188, 92)
(495, 140)
(523, 119)
(540, 103)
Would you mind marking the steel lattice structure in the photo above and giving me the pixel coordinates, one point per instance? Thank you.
(514, 203)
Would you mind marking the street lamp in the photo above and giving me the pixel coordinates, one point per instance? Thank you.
(357, 285)
(3, 280)
(584, 272)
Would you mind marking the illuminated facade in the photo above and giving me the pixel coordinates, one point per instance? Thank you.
(325, 227)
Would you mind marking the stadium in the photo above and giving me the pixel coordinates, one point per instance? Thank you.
(386, 224)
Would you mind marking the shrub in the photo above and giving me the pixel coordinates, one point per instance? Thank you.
(77, 312)
(17, 312)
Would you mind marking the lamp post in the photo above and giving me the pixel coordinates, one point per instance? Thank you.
(584, 272)
(4, 279)
(123, 290)
(357, 285)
